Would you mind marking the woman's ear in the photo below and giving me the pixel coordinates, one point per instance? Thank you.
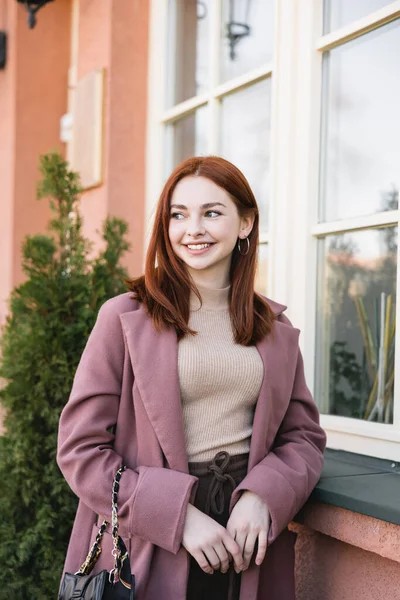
(246, 225)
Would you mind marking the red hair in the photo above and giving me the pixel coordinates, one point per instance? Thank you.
(165, 289)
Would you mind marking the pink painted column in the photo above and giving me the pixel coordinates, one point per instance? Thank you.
(33, 96)
(8, 19)
(114, 36)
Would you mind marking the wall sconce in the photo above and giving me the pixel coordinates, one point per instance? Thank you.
(32, 6)
(238, 25)
(3, 49)
(201, 10)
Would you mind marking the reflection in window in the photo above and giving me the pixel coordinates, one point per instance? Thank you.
(189, 136)
(360, 151)
(188, 41)
(247, 36)
(245, 139)
(338, 13)
(356, 324)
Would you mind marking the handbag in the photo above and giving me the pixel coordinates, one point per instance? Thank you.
(117, 584)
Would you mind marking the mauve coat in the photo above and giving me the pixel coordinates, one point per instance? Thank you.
(128, 377)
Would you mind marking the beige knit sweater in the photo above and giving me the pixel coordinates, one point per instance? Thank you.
(219, 380)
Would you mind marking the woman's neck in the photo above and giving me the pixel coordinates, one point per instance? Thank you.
(211, 281)
(212, 298)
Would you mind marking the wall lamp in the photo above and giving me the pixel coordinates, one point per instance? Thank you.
(238, 25)
(32, 6)
(3, 49)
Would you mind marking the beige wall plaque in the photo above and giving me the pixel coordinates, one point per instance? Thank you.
(87, 138)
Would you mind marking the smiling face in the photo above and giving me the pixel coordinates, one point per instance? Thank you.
(203, 229)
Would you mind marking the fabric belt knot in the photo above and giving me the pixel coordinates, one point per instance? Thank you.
(215, 501)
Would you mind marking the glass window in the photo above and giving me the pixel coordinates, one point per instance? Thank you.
(245, 139)
(247, 36)
(356, 324)
(360, 150)
(189, 136)
(338, 13)
(188, 42)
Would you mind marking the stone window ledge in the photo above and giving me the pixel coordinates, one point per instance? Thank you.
(356, 501)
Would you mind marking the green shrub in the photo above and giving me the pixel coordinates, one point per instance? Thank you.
(51, 315)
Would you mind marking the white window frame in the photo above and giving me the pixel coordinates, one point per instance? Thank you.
(159, 117)
(375, 439)
(295, 139)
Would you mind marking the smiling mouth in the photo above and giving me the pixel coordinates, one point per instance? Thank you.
(198, 246)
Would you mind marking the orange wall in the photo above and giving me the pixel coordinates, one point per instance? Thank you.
(7, 154)
(127, 122)
(41, 96)
(94, 52)
(343, 555)
(333, 570)
(33, 95)
(114, 35)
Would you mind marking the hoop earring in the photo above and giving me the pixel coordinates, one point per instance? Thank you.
(248, 246)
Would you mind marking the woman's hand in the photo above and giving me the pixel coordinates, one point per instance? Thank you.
(249, 522)
(209, 543)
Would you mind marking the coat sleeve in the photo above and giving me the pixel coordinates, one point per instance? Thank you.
(152, 501)
(285, 478)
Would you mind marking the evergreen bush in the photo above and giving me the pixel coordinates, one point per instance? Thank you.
(51, 315)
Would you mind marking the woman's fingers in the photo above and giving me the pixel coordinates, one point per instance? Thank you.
(203, 562)
(234, 550)
(223, 557)
(249, 548)
(209, 543)
(262, 546)
(240, 539)
(212, 558)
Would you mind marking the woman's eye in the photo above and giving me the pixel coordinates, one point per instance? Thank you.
(210, 213)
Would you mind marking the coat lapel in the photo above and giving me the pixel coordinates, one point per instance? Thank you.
(278, 353)
(154, 357)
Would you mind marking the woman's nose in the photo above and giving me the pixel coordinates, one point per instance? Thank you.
(195, 228)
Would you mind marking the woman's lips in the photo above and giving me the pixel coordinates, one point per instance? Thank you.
(198, 250)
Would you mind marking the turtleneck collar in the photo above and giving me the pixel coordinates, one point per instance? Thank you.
(212, 299)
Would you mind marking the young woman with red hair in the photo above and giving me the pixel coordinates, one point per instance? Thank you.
(195, 382)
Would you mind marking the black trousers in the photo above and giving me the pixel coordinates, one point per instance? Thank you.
(217, 480)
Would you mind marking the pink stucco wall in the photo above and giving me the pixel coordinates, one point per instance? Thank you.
(114, 35)
(343, 555)
(32, 99)
(7, 155)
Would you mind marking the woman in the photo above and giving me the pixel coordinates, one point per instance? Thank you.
(196, 383)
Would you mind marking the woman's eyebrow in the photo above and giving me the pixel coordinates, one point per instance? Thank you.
(207, 205)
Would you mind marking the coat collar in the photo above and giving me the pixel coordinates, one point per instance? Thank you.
(154, 357)
(277, 308)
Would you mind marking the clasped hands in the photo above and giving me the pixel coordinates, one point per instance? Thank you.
(213, 545)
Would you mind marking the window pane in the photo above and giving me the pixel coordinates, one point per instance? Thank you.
(338, 13)
(188, 41)
(189, 136)
(356, 324)
(245, 52)
(262, 270)
(245, 139)
(360, 150)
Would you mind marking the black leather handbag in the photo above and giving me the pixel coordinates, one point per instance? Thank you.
(117, 584)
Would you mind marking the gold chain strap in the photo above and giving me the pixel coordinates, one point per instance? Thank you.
(95, 550)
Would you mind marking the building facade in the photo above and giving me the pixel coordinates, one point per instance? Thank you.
(303, 96)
